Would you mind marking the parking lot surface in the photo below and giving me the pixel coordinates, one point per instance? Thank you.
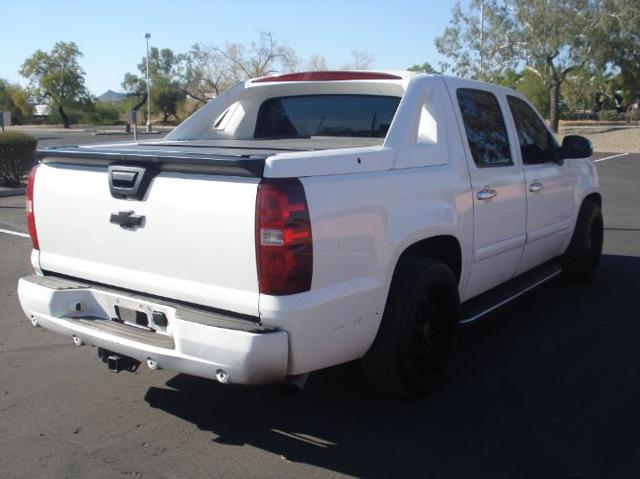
(546, 387)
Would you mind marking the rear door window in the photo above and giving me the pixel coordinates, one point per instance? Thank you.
(485, 128)
(326, 115)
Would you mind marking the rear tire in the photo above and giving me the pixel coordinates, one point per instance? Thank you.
(582, 257)
(411, 351)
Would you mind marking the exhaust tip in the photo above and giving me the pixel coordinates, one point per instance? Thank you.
(153, 365)
(77, 341)
(222, 376)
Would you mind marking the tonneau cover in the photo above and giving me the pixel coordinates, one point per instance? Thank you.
(234, 157)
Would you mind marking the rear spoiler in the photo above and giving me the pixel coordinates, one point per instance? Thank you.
(251, 166)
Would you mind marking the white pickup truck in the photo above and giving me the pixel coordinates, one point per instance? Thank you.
(305, 220)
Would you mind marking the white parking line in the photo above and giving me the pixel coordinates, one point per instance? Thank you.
(24, 235)
(610, 157)
(15, 233)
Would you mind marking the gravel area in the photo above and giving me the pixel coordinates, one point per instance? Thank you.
(607, 139)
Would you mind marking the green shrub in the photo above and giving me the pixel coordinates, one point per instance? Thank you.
(101, 114)
(54, 117)
(17, 154)
(608, 115)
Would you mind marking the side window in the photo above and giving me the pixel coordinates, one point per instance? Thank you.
(536, 143)
(485, 128)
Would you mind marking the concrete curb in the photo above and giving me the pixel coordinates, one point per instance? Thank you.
(13, 192)
(88, 129)
(101, 133)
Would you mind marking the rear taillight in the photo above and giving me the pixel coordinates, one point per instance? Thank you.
(31, 220)
(284, 250)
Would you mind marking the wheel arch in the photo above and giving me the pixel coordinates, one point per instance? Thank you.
(443, 244)
(591, 196)
(445, 248)
(594, 197)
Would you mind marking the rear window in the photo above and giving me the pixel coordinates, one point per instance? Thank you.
(326, 115)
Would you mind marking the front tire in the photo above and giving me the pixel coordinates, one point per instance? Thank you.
(582, 257)
(411, 351)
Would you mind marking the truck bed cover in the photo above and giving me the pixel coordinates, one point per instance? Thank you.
(219, 157)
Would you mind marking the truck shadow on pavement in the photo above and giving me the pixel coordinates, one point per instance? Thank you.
(547, 387)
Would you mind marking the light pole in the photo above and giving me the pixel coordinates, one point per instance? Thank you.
(482, 40)
(147, 36)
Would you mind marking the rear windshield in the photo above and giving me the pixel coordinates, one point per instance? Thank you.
(326, 115)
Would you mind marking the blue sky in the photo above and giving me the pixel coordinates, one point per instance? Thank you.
(110, 34)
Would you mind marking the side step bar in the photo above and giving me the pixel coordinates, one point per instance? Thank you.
(488, 302)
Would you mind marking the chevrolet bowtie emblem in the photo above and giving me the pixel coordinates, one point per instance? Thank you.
(127, 219)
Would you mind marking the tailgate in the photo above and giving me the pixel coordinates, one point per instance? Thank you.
(195, 242)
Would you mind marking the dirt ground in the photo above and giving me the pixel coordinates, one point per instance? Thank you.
(607, 138)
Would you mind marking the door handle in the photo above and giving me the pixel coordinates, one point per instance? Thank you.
(535, 187)
(486, 194)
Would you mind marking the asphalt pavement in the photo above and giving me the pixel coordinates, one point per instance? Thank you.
(48, 136)
(546, 387)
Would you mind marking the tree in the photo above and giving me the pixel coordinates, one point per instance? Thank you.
(15, 99)
(134, 84)
(166, 89)
(57, 77)
(583, 88)
(203, 73)
(100, 113)
(508, 78)
(463, 43)
(618, 37)
(531, 86)
(207, 70)
(527, 83)
(424, 68)
(360, 60)
(261, 57)
(550, 38)
(317, 63)
(166, 95)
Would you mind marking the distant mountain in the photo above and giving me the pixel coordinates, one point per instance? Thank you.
(111, 96)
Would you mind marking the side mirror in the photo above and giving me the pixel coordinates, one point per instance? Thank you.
(576, 146)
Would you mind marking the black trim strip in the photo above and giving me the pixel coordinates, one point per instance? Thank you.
(213, 164)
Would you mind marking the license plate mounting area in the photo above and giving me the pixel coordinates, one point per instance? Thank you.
(132, 317)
